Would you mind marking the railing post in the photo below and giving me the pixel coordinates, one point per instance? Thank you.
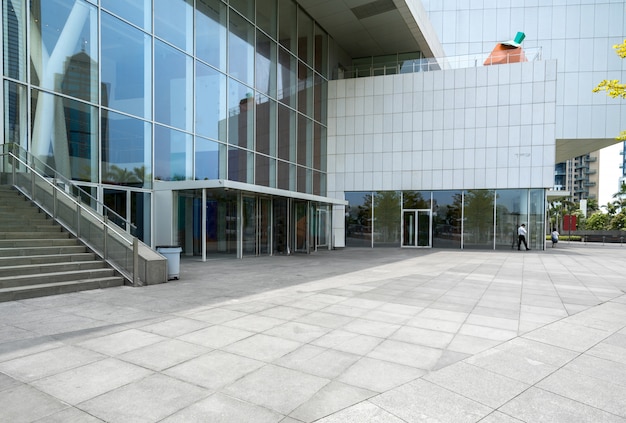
(54, 198)
(105, 236)
(135, 261)
(78, 217)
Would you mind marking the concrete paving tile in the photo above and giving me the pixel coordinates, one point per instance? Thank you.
(83, 383)
(47, 363)
(421, 400)
(289, 389)
(344, 310)
(247, 306)
(59, 324)
(450, 316)
(283, 312)
(434, 324)
(254, 323)
(538, 351)
(371, 327)
(487, 332)
(538, 405)
(175, 327)
(403, 309)
(215, 315)
(412, 355)
(379, 375)
(326, 298)
(608, 352)
(263, 347)
(470, 344)
(348, 342)
(7, 382)
(362, 303)
(512, 366)
(220, 408)
(331, 398)
(163, 355)
(599, 368)
(20, 348)
(573, 337)
(326, 320)
(551, 311)
(15, 334)
(307, 304)
(69, 415)
(25, 404)
(617, 339)
(385, 316)
(136, 401)
(299, 332)
(426, 337)
(478, 384)
(498, 417)
(493, 322)
(326, 363)
(589, 390)
(214, 370)
(215, 336)
(449, 357)
(364, 412)
(121, 342)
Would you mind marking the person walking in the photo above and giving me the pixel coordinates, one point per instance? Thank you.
(521, 237)
(555, 237)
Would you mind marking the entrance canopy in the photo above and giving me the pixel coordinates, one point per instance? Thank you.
(567, 149)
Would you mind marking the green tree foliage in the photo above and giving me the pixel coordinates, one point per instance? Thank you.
(598, 221)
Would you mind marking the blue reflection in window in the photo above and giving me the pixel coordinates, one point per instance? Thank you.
(173, 94)
(137, 12)
(126, 55)
(211, 32)
(208, 159)
(173, 153)
(210, 102)
(173, 22)
(241, 49)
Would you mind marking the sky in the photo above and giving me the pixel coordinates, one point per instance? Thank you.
(610, 172)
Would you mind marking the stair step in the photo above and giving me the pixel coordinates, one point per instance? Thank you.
(57, 233)
(42, 290)
(42, 278)
(37, 251)
(24, 243)
(61, 266)
(43, 259)
(31, 226)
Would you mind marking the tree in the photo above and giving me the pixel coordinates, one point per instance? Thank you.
(613, 87)
(598, 221)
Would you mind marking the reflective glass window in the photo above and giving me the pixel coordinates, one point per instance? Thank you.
(137, 12)
(125, 66)
(414, 200)
(286, 176)
(305, 37)
(320, 96)
(173, 22)
(266, 126)
(287, 19)
(65, 135)
(509, 206)
(305, 141)
(173, 155)
(286, 133)
(265, 171)
(319, 147)
(358, 219)
(286, 78)
(305, 89)
(64, 55)
(140, 212)
(536, 218)
(245, 7)
(241, 49)
(386, 226)
(240, 114)
(265, 67)
(126, 150)
(14, 39)
(478, 207)
(240, 165)
(305, 180)
(447, 215)
(211, 32)
(210, 159)
(15, 114)
(210, 102)
(266, 15)
(173, 94)
(321, 51)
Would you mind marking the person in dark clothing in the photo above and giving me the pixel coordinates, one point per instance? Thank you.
(521, 237)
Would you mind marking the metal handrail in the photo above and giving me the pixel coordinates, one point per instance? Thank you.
(106, 239)
(49, 171)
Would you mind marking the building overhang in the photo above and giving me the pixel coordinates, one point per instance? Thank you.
(376, 27)
(567, 149)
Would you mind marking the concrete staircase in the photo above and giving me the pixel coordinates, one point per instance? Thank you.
(38, 258)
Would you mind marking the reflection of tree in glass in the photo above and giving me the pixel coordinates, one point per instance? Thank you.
(358, 218)
(122, 176)
(386, 215)
(478, 214)
(415, 200)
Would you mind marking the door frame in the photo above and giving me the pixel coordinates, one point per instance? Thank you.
(416, 213)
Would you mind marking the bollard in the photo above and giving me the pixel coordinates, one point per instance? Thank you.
(603, 238)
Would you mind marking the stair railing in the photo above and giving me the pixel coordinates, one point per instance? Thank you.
(106, 239)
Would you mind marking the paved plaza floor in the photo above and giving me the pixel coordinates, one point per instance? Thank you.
(352, 335)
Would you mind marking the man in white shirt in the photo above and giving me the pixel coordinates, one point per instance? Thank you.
(521, 237)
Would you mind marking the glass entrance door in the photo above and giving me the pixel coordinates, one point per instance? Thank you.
(256, 227)
(416, 228)
(322, 236)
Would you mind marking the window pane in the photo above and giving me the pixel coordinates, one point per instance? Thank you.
(63, 54)
(387, 218)
(286, 133)
(140, 207)
(173, 155)
(126, 57)
(65, 135)
(172, 87)
(305, 37)
(305, 89)
(266, 126)
(240, 165)
(321, 51)
(245, 7)
(287, 85)
(126, 151)
(211, 32)
(14, 37)
(137, 12)
(536, 219)
(241, 49)
(478, 219)
(320, 95)
(265, 79)
(210, 159)
(416, 200)
(359, 219)
(265, 171)
(15, 117)
(240, 114)
(210, 102)
(305, 141)
(509, 205)
(287, 13)
(447, 219)
(173, 22)
(266, 16)
(286, 176)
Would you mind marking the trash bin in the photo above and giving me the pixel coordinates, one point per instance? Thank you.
(172, 254)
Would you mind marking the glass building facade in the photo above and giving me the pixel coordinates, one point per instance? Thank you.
(127, 97)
